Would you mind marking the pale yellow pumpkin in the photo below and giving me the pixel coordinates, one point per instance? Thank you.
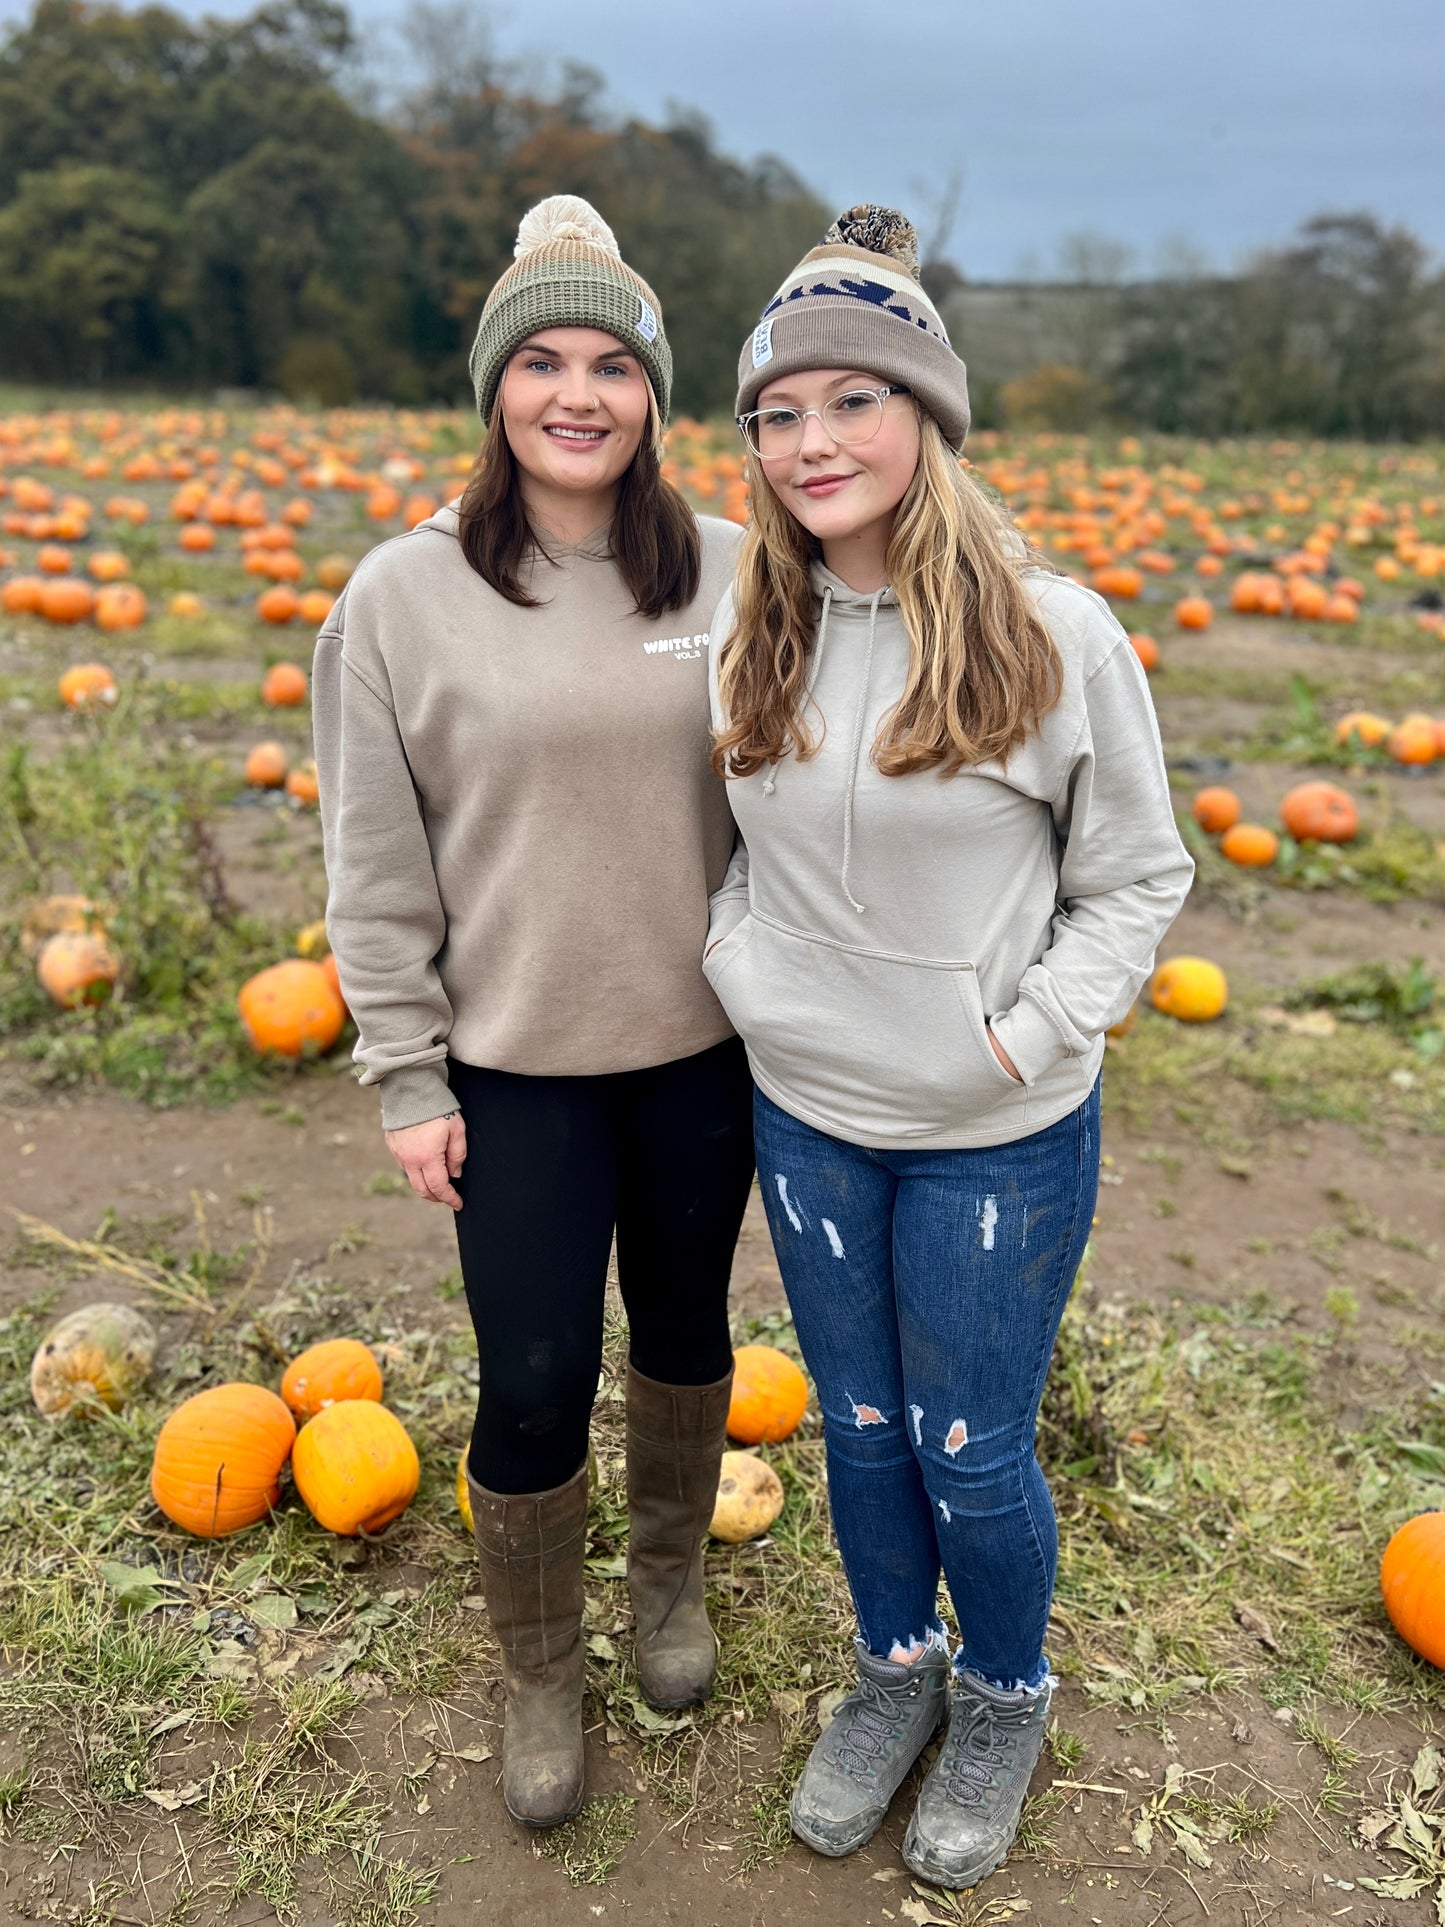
(100, 1354)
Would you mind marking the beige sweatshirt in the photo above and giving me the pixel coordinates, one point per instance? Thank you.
(873, 929)
(521, 824)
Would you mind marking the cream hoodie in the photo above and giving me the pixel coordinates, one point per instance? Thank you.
(521, 822)
(871, 927)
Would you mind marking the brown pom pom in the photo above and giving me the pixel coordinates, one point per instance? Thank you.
(882, 230)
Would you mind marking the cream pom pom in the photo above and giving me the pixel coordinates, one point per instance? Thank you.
(564, 217)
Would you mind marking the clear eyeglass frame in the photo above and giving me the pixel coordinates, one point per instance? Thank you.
(787, 439)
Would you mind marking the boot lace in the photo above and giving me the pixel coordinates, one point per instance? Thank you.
(977, 1750)
(874, 1717)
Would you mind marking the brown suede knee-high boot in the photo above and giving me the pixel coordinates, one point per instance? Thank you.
(531, 1547)
(675, 1439)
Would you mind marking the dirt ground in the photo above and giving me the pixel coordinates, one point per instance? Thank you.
(1176, 1225)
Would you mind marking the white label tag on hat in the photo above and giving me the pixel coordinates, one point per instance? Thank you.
(646, 321)
(763, 342)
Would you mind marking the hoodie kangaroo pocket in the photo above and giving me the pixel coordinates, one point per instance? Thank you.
(876, 1045)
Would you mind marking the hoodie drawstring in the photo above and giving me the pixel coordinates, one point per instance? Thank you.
(770, 781)
(858, 721)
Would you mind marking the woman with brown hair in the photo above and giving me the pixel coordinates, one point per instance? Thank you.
(956, 858)
(522, 827)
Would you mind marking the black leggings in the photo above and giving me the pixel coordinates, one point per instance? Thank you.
(664, 1155)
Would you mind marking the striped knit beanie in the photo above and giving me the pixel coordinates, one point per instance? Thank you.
(568, 273)
(855, 302)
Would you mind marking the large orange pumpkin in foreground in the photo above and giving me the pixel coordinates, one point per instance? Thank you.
(355, 1467)
(291, 1010)
(325, 1374)
(218, 1459)
(1412, 1583)
(1320, 813)
(769, 1396)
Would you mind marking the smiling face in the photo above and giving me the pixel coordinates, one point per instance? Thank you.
(844, 493)
(574, 406)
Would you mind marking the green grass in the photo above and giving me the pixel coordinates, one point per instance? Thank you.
(124, 813)
(1234, 1081)
(1196, 1457)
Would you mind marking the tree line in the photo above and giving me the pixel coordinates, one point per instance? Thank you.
(218, 202)
(233, 203)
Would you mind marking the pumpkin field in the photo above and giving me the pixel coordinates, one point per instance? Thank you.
(273, 1697)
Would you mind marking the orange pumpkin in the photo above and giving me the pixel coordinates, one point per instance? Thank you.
(1117, 580)
(20, 596)
(1216, 809)
(107, 565)
(266, 766)
(1361, 726)
(1193, 612)
(1412, 742)
(1249, 845)
(218, 1459)
(120, 605)
(1320, 813)
(284, 685)
(302, 786)
(197, 538)
(1412, 1583)
(66, 600)
(769, 1396)
(315, 606)
(464, 1491)
(290, 1010)
(76, 967)
(86, 685)
(325, 1374)
(1193, 989)
(185, 602)
(355, 1467)
(53, 559)
(1147, 650)
(333, 977)
(277, 605)
(334, 571)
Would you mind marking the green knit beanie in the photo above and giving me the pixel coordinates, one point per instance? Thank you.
(568, 273)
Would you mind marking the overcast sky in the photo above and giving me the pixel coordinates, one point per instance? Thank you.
(1222, 124)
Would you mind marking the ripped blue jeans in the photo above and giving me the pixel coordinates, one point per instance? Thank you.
(927, 1288)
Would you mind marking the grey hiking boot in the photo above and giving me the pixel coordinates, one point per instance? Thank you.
(968, 1812)
(861, 1757)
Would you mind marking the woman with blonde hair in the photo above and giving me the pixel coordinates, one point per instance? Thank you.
(522, 827)
(956, 857)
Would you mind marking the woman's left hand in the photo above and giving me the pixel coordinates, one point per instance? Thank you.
(1003, 1057)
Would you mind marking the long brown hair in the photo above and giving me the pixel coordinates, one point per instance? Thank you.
(655, 540)
(982, 668)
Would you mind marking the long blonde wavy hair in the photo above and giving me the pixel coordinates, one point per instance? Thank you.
(982, 668)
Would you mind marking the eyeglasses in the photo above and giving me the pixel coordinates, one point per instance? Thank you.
(852, 417)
